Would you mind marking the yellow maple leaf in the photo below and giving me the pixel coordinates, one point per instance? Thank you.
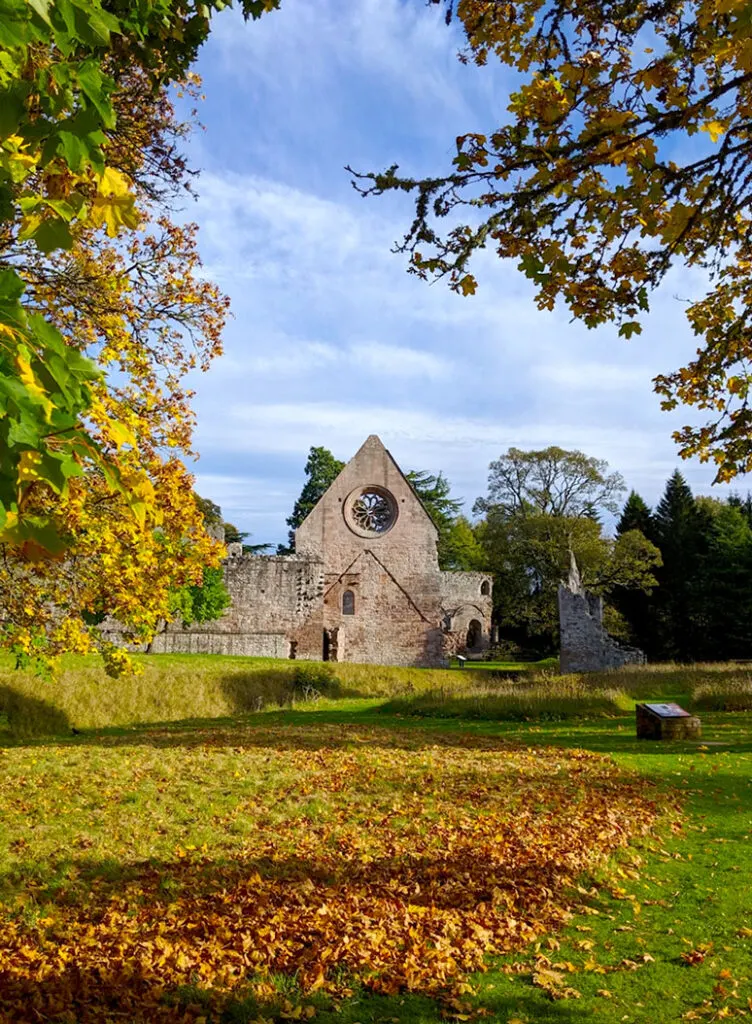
(120, 433)
(714, 129)
(114, 204)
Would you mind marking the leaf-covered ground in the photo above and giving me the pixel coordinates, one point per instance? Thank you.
(171, 875)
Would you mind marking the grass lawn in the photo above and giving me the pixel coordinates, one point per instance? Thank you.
(339, 861)
(506, 667)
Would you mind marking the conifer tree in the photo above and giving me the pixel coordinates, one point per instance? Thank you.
(682, 532)
(636, 605)
(321, 470)
(636, 515)
(434, 491)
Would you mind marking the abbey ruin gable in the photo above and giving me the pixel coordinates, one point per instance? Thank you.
(364, 583)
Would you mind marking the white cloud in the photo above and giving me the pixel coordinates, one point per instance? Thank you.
(331, 340)
(396, 361)
(595, 376)
(406, 49)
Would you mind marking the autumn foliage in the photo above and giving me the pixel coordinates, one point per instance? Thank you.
(104, 310)
(395, 860)
(624, 152)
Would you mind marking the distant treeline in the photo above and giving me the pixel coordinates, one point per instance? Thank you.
(701, 609)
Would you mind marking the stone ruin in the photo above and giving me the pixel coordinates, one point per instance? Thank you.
(363, 585)
(586, 646)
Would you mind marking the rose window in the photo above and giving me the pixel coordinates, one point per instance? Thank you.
(371, 512)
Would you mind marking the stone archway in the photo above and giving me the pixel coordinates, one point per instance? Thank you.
(474, 635)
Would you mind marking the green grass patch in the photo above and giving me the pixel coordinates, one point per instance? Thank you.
(507, 668)
(554, 699)
(142, 825)
(172, 688)
(169, 688)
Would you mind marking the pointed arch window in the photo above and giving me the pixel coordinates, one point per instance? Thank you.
(348, 603)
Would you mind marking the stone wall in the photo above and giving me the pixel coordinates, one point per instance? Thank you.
(467, 603)
(586, 646)
(255, 645)
(392, 622)
(276, 601)
(403, 608)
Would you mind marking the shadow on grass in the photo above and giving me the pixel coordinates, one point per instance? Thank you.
(28, 716)
(311, 726)
(318, 728)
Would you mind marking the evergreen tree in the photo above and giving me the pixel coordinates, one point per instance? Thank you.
(321, 470)
(726, 584)
(434, 492)
(682, 532)
(636, 515)
(636, 606)
(743, 504)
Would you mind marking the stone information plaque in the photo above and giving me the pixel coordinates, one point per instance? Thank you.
(666, 721)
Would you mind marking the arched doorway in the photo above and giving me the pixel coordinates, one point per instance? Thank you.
(474, 634)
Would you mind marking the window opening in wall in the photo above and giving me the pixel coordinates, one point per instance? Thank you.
(348, 603)
(474, 634)
(326, 647)
(485, 588)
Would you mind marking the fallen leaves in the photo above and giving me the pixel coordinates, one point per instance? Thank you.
(554, 984)
(693, 957)
(396, 860)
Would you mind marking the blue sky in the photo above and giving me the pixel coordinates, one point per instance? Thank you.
(331, 339)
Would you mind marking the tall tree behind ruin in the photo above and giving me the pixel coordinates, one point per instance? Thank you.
(540, 506)
(636, 606)
(321, 470)
(550, 482)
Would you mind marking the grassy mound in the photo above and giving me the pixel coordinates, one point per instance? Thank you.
(171, 688)
(549, 699)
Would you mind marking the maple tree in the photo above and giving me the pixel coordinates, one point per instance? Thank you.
(96, 507)
(626, 151)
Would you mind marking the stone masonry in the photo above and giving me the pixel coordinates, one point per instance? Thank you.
(364, 584)
(585, 644)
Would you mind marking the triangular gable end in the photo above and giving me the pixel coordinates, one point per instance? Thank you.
(372, 445)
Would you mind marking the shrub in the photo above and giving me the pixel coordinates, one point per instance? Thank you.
(313, 679)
